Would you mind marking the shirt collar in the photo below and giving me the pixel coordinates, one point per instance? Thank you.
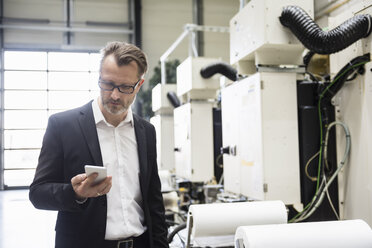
(98, 116)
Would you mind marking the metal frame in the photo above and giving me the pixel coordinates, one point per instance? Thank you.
(189, 30)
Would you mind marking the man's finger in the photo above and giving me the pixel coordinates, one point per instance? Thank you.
(91, 178)
(101, 188)
(78, 179)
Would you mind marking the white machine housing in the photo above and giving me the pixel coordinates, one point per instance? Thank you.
(164, 140)
(160, 102)
(192, 84)
(258, 37)
(193, 140)
(259, 120)
(354, 107)
(259, 113)
(163, 123)
(193, 121)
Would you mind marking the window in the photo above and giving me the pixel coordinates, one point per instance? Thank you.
(37, 85)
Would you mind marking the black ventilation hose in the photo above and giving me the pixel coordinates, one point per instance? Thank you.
(173, 98)
(323, 42)
(219, 67)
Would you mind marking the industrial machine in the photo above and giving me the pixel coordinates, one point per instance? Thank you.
(259, 112)
(163, 123)
(193, 121)
(287, 125)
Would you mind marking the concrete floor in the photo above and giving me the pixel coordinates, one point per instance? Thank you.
(21, 225)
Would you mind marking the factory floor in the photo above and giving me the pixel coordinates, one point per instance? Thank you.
(21, 225)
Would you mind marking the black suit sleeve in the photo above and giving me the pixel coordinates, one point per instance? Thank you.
(50, 190)
(156, 205)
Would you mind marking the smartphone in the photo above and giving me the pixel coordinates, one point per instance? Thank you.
(102, 172)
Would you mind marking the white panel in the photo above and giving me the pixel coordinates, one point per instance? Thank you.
(160, 102)
(164, 126)
(280, 136)
(257, 34)
(241, 128)
(259, 117)
(182, 140)
(189, 80)
(354, 108)
(193, 139)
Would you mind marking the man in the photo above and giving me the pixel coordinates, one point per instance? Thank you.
(125, 209)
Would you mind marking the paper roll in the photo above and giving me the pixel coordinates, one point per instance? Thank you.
(165, 179)
(340, 234)
(223, 218)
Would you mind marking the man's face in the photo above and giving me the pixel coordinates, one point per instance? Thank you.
(115, 102)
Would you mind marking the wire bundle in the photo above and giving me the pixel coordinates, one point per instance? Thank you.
(353, 67)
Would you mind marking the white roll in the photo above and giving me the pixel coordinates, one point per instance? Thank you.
(328, 234)
(165, 179)
(223, 218)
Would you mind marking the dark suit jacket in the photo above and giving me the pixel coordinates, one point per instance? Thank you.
(70, 142)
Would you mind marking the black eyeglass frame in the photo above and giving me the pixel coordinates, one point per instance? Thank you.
(133, 87)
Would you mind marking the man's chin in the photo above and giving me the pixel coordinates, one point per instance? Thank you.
(115, 110)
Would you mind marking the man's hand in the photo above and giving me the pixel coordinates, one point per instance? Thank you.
(85, 188)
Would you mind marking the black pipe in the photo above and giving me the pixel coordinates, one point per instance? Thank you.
(219, 67)
(175, 231)
(323, 42)
(172, 97)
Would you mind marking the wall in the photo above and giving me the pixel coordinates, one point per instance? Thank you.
(51, 15)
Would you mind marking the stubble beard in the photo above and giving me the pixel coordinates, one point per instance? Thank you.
(115, 110)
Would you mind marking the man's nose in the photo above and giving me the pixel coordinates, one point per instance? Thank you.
(115, 94)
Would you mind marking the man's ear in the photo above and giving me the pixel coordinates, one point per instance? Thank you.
(140, 84)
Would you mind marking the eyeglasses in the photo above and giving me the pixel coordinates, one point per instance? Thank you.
(123, 88)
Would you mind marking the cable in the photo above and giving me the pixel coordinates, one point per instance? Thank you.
(327, 93)
(307, 165)
(340, 166)
(300, 216)
(218, 161)
(330, 203)
(175, 231)
(221, 179)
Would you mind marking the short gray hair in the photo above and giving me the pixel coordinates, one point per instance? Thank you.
(124, 54)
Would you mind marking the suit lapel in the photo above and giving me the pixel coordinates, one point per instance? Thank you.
(88, 127)
(140, 132)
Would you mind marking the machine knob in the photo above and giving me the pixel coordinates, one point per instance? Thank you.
(225, 150)
(228, 150)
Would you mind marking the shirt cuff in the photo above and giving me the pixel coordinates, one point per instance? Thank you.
(81, 201)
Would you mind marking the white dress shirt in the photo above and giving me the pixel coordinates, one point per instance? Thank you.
(125, 217)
